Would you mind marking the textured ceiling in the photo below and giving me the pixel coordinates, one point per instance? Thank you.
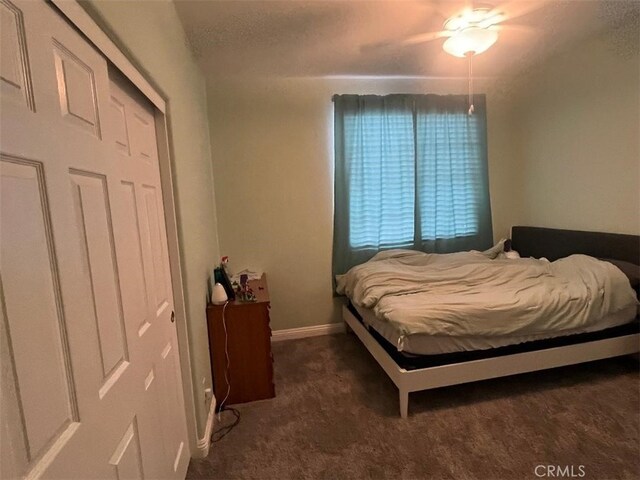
(339, 38)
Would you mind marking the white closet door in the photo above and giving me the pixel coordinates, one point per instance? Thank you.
(89, 361)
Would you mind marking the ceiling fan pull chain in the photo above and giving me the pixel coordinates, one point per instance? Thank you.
(471, 108)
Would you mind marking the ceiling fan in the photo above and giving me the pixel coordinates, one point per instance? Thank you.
(472, 31)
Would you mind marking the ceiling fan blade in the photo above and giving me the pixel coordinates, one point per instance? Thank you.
(525, 29)
(411, 40)
(516, 33)
(424, 37)
(517, 9)
(447, 8)
(494, 18)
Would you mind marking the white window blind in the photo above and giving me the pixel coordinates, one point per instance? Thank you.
(411, 172)
(382, 180)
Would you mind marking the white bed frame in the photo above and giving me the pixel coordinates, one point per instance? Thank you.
(409, 381)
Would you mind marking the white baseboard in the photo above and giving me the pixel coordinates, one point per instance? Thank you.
(304, 332)
(205, 442)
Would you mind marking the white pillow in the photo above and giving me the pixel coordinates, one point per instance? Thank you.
(512, 254)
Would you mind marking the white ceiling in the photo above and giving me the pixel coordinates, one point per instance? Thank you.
(337, 37)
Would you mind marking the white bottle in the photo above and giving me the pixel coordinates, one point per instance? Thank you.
(218, 294)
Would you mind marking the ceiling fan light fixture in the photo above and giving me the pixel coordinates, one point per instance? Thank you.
(471, 18)
(470, 40)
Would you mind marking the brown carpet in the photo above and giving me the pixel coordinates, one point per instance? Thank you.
(336, 416)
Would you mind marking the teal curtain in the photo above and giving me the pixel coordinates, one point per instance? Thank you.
(410, 172)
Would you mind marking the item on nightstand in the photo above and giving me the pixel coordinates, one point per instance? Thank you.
(218, 294)
(243, 291)
(251, 275)
(224, 263)
(220, 276)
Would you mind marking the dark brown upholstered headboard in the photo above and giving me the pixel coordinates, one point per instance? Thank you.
(553, 244)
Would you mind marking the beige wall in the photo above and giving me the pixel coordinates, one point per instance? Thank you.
(157, 44)
(579, 137)
(273, 144)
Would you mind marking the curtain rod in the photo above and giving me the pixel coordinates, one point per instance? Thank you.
(333, 97)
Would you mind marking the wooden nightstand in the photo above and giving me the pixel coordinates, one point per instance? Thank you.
(249, 345)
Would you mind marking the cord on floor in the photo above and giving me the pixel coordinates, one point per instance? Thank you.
(221, 432)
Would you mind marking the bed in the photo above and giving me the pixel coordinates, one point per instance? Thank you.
(416, 358)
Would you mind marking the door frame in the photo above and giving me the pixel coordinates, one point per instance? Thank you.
(82, 21)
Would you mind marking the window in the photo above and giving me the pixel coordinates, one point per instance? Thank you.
(382, 180)
(411, 172)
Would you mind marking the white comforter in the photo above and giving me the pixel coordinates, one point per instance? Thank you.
(470, 293)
